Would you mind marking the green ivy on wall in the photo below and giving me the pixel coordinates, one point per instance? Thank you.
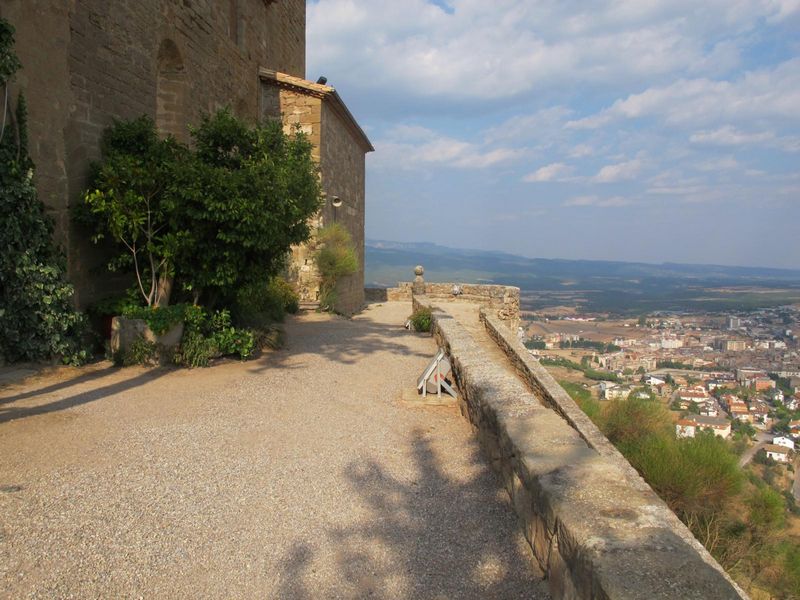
(37, 318)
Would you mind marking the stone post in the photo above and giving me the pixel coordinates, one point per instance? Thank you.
(418, 289)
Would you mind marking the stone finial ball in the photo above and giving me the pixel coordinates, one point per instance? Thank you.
(418, 270)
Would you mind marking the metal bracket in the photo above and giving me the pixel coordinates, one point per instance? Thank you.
(436, 371)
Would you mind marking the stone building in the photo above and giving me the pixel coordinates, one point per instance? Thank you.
(86, 62)
(339, 148)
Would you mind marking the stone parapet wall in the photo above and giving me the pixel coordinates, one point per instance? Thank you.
(401, 293)
(503, 299)
(594, 526)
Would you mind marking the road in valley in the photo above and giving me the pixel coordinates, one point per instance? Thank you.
(762, 439)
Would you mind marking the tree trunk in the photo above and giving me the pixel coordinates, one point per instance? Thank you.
(164, 290)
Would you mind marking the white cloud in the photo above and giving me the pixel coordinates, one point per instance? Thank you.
(730, 136)
(725, 163)
(619, 171)
(509, 47)
(580, 151)
(544, 125)
(765, 94)
(413, 146)
(612, 202)
(551, 172)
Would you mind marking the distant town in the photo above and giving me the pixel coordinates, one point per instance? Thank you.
(737, 375)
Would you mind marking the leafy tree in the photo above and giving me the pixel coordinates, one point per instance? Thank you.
(245, 200)
(535, 344)
(744, 430)
(133, 199)
(37, 316)
(217, 219)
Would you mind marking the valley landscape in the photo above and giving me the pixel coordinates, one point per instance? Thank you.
(620, 288)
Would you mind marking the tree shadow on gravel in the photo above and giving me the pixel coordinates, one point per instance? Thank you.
(82, 378)
(431, 538)
(345, 341)
(92, 395)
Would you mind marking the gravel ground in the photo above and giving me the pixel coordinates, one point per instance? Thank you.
(299, 475)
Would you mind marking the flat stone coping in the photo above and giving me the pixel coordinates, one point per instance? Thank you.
(593, 524)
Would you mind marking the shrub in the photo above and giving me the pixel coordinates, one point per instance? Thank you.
(159, 319)
(208, 336)
(761, 458)
(335, 258)
(195, 350)
(141, 352)
(245, 198)
(37, 316)
(113, 306)
(216, 218)
(259, 305)
(133, 201)
(629, 422)
(421, 319)
(289, 299)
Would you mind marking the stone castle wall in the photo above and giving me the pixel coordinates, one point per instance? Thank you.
(503, 300)
(343, 175)
(339, 148)
(86, 62)
(304, 111)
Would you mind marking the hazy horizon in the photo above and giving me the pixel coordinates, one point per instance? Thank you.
(371, 240)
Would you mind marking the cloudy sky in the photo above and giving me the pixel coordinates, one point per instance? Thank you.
(646, 130)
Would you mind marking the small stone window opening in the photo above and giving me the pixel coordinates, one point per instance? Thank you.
(171, 91)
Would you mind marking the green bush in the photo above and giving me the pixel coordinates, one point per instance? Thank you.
(245, 198)
(422, 319)
(141, 352)
(38, 320)
(195, 350)
(215, 218)
(535, 345)
(259, 305)
(335, 258)
(208, 336)
(113, 306)
(159, 319)
(280, 288)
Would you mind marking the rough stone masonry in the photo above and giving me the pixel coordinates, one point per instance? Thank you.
(86, 62)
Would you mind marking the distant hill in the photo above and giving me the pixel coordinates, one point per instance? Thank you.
(602, 285)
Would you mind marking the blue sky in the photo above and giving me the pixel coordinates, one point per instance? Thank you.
(638, 130)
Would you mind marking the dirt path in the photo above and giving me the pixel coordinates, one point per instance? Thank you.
(295, 476)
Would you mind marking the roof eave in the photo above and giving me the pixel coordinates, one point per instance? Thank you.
(323, 92)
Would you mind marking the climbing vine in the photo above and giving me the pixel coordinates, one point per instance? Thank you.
(37, 317)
